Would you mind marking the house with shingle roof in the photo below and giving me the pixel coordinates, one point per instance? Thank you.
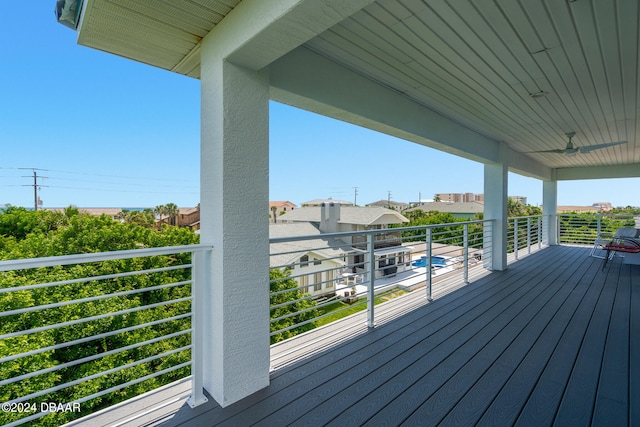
(316, 263)
(319, 202)
(457, 209)
(399, 206)
(280, 207)
(345, 254)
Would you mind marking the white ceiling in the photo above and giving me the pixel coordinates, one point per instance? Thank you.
(474, 61)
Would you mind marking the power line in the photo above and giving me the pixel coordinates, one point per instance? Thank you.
(36, 199)
(98, 174)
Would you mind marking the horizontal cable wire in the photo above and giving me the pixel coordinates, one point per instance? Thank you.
(91, 299)
(99, 374)
(91, 279)
(91, 358)
(94, 337)
(88, 319)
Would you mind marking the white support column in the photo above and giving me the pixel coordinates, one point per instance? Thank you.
(549, 212)
(234, 198)
(495, 206)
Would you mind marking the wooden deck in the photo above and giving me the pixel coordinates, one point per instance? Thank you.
(552, 340)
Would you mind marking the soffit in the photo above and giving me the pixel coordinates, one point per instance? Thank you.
(165, 34)
(474, 61)
(478, 62)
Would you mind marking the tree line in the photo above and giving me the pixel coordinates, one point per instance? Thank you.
(35, 234)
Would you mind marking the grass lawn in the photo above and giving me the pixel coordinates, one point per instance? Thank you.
(341, 309)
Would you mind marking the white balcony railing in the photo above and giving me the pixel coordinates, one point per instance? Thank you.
(138, 337)
(523, 234)
(584, 229)
(327, 278)
(314, 279)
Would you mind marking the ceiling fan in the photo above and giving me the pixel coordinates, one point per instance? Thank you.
(571, 150)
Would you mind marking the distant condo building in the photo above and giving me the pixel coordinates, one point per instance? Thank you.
(471, 197)
(460, 197)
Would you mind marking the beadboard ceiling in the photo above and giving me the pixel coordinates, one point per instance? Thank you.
(478, 62)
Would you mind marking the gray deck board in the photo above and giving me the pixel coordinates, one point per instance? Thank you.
(552, 340)
(463, 367)
(613, 387)
(512, 375)
(507, 404)
(577, 402)
(634, 351)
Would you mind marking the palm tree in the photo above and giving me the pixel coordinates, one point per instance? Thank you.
(172, 211)
(274, 209)
(159, 211)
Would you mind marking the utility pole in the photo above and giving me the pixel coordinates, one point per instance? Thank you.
(388, 199)
(36, 200)
(355, 196)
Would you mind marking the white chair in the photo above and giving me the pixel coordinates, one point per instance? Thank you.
(599, 244)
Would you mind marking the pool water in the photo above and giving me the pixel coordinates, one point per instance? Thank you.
(436, 261)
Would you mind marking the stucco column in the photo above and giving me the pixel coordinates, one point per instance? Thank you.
(234, 206)
(549, 211)
(495, 207)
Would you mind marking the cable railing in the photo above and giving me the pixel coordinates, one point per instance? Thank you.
(584, 229)
(319, 278)
(87, 331)
(523, 234)
(81, 330)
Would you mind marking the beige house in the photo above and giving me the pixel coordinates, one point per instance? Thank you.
(390, 255)
(280, 207)
(189, 217)
(319, 270)
(399, 206)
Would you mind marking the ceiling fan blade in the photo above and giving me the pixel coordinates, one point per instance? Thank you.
(545, 151)
(599, 146)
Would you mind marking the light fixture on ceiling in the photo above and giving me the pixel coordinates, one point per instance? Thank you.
(68, 12)
(539, 94)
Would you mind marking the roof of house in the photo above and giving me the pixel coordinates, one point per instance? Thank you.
(188, 211)
(288, 252)
(385, 203)
(318, 202)
(452, 207)
(372, 215)
(577, 209)
(281, 203)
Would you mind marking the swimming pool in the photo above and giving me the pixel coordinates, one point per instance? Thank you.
(436, 262)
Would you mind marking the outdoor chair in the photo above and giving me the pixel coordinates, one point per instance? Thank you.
(624, 241)
(599, 244)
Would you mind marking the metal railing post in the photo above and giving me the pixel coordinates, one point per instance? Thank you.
(529, 234)
(428, 265)
(515, 236)
(465, 252)
(372, 277)
(199, 274)
(539, 232)
(599, 226)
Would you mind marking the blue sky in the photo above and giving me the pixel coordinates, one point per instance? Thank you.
(109, 132)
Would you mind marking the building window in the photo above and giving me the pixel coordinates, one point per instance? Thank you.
(304, 283)
(317, 262)
(317, 282)
(304, 261)
(330, 278)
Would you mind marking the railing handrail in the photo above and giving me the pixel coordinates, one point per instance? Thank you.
(26, 263)
(366, 232)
